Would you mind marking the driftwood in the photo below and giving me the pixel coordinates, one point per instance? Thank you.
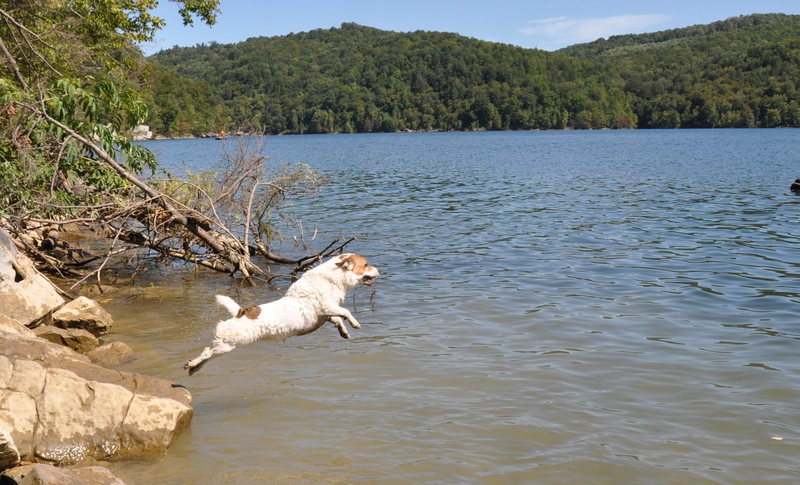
(158, 215)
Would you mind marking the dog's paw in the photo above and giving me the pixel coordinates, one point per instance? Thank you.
(193, 367)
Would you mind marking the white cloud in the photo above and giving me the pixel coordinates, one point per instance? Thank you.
(563, 31)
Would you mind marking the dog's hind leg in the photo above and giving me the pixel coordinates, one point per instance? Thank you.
(217, 348)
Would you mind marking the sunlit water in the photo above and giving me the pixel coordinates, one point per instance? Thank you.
(555, 307)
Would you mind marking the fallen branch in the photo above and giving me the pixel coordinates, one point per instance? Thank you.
(239, 259)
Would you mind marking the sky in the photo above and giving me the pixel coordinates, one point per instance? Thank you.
(542, 24)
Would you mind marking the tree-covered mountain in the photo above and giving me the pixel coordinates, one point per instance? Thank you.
(739, 72)
(360, 79)
(178, 105)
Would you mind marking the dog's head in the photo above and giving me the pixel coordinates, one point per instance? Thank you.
(357, 268)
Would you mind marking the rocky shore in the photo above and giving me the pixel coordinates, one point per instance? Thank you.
(62, 413)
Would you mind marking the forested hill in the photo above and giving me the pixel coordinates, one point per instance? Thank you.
(361, 79)
(740, 72)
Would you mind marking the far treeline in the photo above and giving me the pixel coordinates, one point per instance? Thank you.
(740, 72)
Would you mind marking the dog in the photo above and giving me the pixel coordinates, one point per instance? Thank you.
(309, 302)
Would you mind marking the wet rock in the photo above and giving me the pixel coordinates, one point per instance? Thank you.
(77, 339)
(59, 408)
(43, 474)
(9, 454)
(110, 355)
(795, 186)
(25, 295)
(83, 313)
(96, 291)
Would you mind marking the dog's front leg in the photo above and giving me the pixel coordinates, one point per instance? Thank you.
(343, 312)
(339, 322)
(217, 348)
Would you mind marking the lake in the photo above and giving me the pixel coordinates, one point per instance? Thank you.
(593, 307)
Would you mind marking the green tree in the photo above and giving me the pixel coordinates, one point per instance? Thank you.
(68, 93)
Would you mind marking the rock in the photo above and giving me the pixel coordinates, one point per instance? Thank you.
(7, 272)
(95, 291)
(25, 295)
(9, 454)
(12, 326)
(110, 355)
(141, 132)
(43, 474)
(77, 339)
(83, 313)
(59, 408)
(795, 187)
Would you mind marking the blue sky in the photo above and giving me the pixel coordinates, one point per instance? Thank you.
(545, 24)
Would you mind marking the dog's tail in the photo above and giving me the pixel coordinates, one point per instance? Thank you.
(230, 305)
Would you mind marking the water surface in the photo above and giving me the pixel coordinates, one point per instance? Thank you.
(555, 307)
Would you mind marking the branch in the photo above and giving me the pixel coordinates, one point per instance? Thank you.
(14, 66)
(241, 260)
(23, 30)
(141, 240)
(100, 268)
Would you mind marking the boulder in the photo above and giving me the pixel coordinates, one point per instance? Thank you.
(60, 408)
(77, 339)
(25, 295)
(85, 314)
(12, 326)
(141, 132)
(113, 354)
(44, 474)
(7, 272)
(9, 454)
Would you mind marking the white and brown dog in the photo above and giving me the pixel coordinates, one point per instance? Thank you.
(309, 302)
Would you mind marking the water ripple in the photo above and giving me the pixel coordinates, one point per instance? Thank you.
(600, 306)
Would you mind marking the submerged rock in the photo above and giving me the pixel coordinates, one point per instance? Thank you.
(96, 291)
(83, 313)
(43, 474)
(59, 408)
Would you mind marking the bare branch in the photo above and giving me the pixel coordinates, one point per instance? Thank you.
(13, 64)
(240, 260)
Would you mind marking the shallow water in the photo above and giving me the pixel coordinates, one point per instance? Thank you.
(555, 307)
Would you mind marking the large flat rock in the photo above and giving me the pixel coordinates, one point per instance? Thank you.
(60, 408)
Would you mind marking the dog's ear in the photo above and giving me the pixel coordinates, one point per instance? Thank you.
(345, 262)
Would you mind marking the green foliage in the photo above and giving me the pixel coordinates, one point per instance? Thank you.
(179, 106)
(71, 66)
(361, 79)
(738, 72)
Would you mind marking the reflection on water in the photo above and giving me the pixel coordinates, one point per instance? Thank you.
(568, 307)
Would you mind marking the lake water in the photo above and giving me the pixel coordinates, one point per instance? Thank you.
(598, 307)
